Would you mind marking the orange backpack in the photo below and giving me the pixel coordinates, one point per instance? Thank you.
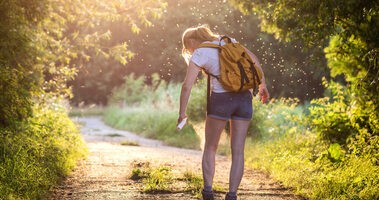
(238, 72)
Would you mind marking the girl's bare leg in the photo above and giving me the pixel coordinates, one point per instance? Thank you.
(238, 135)
(213, 130)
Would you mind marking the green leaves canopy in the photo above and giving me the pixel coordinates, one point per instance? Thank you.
(40, 41)
(350, 26)
(347, 31)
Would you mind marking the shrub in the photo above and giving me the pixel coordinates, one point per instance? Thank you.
(275, 119)
(133, 91)
(330, 116)
(323, 153)
(37, 154)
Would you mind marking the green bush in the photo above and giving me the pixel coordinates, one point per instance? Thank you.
(274, 119)
(197, 105)
(37, 154)
(330, 116)
(323, 152)
(134, 90)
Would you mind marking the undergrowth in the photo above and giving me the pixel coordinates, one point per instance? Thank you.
(319, 152)
(37, 154)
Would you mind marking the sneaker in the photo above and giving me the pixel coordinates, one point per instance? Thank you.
(229, 197)
(207, 195)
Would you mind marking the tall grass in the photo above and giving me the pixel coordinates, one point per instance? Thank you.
(37, 154)
(152, 113)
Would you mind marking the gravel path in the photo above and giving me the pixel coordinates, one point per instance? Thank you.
(106, 173)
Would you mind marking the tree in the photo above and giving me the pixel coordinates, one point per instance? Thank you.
(349, 28)
(44, 43)
(19, 74)
(347, 31)
(157, 50)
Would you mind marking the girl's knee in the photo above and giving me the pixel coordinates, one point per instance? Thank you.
(210, 148)
(238, 152)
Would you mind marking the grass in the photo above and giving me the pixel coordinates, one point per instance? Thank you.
(129, 143)
(152, 111)
(38, 153)
(158, 180)
(157, 124)
(300, 162)
(194, 183)
(154, 180)
(161, 179)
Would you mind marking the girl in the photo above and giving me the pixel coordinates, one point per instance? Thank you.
(224, 106)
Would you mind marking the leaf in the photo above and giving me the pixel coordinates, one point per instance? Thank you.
(336, 152)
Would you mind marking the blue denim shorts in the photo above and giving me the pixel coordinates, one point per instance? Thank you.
(231, 105)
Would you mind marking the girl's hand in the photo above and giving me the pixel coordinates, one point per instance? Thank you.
(181, 117)
(263, 93)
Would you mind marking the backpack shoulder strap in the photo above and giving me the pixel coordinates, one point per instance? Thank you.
(209, 45)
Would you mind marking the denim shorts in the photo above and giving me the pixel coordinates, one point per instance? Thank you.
(231, 105)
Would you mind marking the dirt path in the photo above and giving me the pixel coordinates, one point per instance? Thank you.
(107, 171)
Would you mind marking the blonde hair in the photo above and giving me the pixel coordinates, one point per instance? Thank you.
(200, 33)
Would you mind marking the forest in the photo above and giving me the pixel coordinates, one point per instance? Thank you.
(319, 134)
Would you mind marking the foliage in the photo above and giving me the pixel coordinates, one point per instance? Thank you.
(330, 116)
(133, 91)
(194, 183)
(46, 41)
(346, 120)
(197, 105)
(36, 155)
(155, 108)
(274, 119)
(157, 48)
(338, 119)
(155, 179)
(19, 77)
(321, 152)
(350, 27)
(318, 21)
(43, 44)
(308, 165)
(158, 179)
(112, 27)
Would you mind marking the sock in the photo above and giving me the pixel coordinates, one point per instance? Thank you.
(208, 188)
(232, 194)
